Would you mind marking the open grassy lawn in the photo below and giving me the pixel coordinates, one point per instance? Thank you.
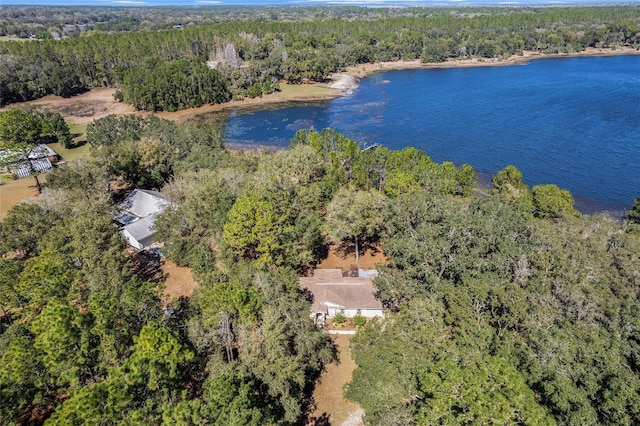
(71, 154)
(5, 38)
(78, 131)
(80, 150)
(303, 91)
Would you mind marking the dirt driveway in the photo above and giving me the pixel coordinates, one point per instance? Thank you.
(331, 407)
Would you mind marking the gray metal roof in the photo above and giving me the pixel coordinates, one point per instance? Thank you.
(142, 230)
(143, 203)
(138, 214)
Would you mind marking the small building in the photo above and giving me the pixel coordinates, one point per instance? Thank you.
(39, 159)
(137, 216)
(332, 293)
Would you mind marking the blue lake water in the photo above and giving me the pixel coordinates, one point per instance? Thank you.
(574, 122)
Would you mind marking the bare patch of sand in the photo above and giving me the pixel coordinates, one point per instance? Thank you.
(331, 407)
(179, 281)
(16, 191)
(84, 108)
(343, 82)
(343, 257)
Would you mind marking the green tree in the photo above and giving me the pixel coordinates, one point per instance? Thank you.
(481, 392)
(388, 352)
(232, 400)
(549, 201)
(225, 303)
(113, 129)
(508, 183)
(19, 126)
(158, 358)
(24, 227)
(94, 404)
(30, 126)
(9, 272)
(634, 214)
(22, 374)
(82, 181)
(60, 337)
(355, 214)
(255, 230)
(435, 50)
(286, 352)
(271, 227)
(44, 277)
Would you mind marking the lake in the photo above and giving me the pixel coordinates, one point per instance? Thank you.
(574, 122)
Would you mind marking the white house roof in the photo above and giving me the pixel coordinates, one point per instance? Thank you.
(142, 203)
(141, 230)
(138, 214)
(330, 288)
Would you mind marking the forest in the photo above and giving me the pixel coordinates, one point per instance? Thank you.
(504, 305)
(245, 52)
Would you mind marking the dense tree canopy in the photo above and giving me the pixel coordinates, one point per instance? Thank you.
(159, 86)
(165, 68)
(509, 291)
(503, 306)
(356, 215)
(30, 126)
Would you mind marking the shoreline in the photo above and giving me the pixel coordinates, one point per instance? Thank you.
(345, 82)
(99, 102)
(364, 70)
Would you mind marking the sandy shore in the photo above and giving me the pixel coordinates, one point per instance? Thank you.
(363, 70)
(99, 102)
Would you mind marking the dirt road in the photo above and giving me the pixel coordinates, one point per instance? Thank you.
(331, 407)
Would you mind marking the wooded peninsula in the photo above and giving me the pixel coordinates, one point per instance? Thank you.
(501, 306)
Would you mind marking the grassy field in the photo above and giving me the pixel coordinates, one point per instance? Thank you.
(302, 91)
(80, 149)
(5, 38)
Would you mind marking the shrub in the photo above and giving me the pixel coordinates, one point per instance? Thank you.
(339, 318)
(359, 320)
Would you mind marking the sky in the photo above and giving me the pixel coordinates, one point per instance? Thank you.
(203, 3)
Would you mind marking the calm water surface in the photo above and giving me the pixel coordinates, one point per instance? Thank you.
(574, 122)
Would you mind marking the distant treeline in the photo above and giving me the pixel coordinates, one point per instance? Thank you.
(61, 21)
(252, 56)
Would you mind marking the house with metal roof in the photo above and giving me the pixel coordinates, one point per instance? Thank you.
(332, 293)
(137, 216)
(23, 163)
